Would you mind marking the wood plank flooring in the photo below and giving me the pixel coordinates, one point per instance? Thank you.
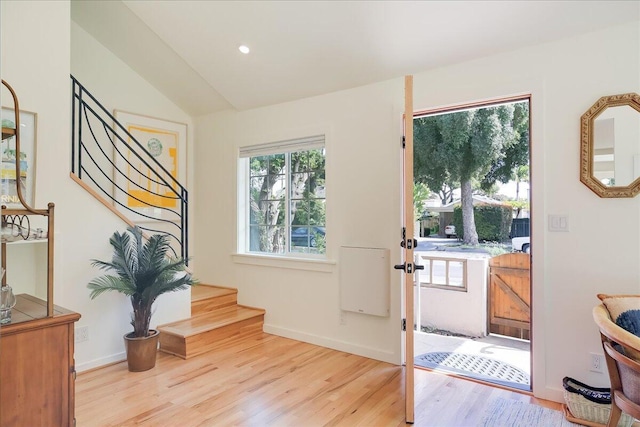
(273, 381)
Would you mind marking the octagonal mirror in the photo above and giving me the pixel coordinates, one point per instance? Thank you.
(610, 146)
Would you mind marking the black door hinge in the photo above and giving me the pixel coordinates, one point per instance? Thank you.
(404, 324)
(404, 142)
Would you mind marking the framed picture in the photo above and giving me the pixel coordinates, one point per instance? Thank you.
(151, 192)
(8, 173)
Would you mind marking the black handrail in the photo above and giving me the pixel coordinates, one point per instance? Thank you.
(95, 132)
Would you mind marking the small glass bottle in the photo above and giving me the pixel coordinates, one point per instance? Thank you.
(7, 302)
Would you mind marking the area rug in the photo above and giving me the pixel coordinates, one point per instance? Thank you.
(511, 413)
(475, 366)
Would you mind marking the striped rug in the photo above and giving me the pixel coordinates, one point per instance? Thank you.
(511, 413)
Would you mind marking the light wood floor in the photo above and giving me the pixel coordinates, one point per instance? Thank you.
(274, 381)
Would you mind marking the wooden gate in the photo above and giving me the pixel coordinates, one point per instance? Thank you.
(510, 295)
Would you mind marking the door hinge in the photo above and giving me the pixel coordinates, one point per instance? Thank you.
(404, 142)
(404, 324)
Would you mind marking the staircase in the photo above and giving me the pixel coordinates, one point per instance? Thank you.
(216, 319)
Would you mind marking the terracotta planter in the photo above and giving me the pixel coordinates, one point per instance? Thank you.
(141, 351)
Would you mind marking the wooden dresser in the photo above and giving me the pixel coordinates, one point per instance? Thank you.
(37, 371)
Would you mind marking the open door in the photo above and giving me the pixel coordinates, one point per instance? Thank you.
(408, 243)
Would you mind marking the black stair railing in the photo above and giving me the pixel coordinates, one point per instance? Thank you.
(106, 158)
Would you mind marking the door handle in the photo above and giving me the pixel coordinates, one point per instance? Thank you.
(408, 267)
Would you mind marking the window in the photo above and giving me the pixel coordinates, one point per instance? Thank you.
(284, 208)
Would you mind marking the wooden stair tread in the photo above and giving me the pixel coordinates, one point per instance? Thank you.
(210, 321)
(203, 292)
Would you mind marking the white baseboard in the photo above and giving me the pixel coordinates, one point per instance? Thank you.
(97, 363)
(549, 393)
(347, 347)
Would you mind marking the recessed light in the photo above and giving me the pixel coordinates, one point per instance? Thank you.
(244, 49)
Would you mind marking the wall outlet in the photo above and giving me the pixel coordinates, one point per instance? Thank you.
(597, 363)
(82, 334)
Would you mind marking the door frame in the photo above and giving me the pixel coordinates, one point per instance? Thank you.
(409, 147)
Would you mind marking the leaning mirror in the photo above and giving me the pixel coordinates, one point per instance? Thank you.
(610, 146)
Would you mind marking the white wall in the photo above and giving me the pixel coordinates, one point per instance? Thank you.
(452, 310)
(40, 48)
(363, 146)
(363, 198)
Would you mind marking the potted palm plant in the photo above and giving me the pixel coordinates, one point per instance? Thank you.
(142, 271)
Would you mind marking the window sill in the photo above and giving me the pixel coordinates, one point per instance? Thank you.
(320, 265)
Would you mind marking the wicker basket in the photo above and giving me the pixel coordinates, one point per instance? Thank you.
(584, 409)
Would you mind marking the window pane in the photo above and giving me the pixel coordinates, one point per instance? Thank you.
(300, 212)
(267, 239)
(277, 187)
(257, 182)
(300, 161)
(268, 212)
(317, 212)
(259, 165)
(289, 181)
(316, 160)
(298, 185)
(277, 164)
(308, 239)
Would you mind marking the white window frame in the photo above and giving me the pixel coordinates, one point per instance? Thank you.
(280, 147)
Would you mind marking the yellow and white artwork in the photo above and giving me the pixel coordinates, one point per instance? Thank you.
(149, 186)
(151, 168)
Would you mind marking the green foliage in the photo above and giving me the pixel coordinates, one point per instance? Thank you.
(431, 161)
(493, 222)
(142, 272)
(486, 144)
(518, 204)
(495, 248)
(420, 195)
(515, 152)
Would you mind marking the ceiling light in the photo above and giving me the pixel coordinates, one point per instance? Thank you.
(244, 49)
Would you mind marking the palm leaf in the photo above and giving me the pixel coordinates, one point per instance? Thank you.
(141, 271)
(103, 284)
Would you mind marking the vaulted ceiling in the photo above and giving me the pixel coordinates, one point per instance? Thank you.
(189, 49)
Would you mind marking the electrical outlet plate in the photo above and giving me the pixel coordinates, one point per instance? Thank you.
(597, 363)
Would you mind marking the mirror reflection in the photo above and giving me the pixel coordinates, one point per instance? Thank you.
(616, 146)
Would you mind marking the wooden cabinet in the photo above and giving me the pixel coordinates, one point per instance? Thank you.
(37, 370)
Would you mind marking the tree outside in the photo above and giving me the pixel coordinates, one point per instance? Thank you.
(484, 145)
(280, 181)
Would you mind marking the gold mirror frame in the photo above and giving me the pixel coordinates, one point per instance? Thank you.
(587, 144)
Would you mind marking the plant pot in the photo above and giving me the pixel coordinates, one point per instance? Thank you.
(141, 351)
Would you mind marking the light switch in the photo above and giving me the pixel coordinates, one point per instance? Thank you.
(558, 223)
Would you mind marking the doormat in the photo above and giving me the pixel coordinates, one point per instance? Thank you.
(477, 367)
(512, 413)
